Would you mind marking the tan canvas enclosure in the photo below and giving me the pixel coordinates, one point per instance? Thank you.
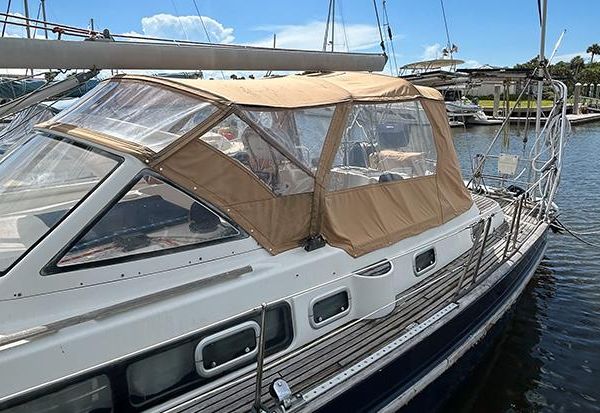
(362, 160)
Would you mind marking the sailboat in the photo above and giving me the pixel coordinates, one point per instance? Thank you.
(285, 244)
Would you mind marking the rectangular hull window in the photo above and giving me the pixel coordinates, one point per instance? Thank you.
(325, 310)
(166, 373)
(424, 261)
(227, 349)
(89, 396)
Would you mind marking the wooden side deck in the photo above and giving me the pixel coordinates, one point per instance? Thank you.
(313, 364)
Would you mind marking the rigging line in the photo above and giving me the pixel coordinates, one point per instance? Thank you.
(37, 18)
(390, 36)
(179, 20)
(202, 22)
(446, 26)
(382, 43)
(6, 17)
(205, 30)
(326, 36)
(344, 26)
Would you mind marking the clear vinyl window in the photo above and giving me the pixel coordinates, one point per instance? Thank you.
(138, 112)
(151, 216)
(41, 180)
(301, 132)
(236, 138)
(384, 143)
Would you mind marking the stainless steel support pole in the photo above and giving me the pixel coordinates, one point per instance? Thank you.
(486, 231)
(260, 359)
(469, 260)
(518, 222)
(510, 231)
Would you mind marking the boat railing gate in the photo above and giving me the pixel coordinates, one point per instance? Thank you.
(545, 154)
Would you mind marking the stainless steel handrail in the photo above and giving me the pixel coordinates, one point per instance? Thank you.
(276, 361)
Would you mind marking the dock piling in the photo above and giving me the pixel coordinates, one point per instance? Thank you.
(496, 101)
(576, 97)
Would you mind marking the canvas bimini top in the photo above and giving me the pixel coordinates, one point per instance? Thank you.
(362, 160)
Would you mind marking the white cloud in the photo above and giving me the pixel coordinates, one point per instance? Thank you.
(471, 64)
(12, 30)
(309, 36)
(569, 56)
(168, 26)
(432, 51)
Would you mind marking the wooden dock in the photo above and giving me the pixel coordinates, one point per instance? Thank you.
(573, 119)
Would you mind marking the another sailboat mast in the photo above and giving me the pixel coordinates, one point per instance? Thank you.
(43, 5)
(332, 24)
(541, 72)
(541, 66)
(26, 9)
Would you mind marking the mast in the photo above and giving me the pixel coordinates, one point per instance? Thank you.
(43, 5)
(541, 71)
(332, 23)
(26, 8)
(541, 66)
(326, 36)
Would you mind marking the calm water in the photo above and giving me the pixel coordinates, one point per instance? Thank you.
(548, 358)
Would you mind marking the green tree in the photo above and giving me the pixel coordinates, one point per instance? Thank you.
(531, 64)
(576, 65)
(591, 74)
(593, 50)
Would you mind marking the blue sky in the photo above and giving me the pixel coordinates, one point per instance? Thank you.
(495, 32)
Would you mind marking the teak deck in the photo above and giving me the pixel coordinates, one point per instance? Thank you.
(311, 365)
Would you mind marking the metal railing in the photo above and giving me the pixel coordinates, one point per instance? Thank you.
(481, 228)
(545, 155)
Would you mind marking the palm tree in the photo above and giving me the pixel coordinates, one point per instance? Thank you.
(593, 50)
(576, 65)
